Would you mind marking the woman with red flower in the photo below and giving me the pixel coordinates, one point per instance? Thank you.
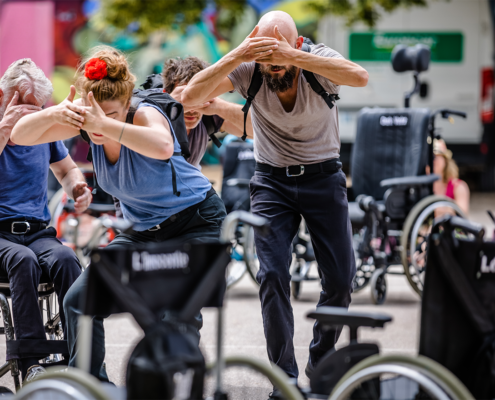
(137, 159)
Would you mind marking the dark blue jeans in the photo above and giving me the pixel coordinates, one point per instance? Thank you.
(322, 200)
(201, 224)
(23, 258)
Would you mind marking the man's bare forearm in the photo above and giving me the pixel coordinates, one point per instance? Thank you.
(204, 83)
(71, 178)
(337, 70)
(233, 113)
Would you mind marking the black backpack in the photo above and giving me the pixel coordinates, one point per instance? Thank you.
(257, 81)
(155, 81)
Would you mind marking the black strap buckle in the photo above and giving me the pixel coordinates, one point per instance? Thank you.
(290, 168)
(26, 225)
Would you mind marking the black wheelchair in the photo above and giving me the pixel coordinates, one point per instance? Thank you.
(51, 352)
(457, 336)
(163, 286)
(394, 205)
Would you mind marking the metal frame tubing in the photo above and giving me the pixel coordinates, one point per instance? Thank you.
(9, 335)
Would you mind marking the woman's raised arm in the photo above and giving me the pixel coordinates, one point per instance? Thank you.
(51, 124)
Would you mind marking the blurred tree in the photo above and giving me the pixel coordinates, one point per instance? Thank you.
(146, 16)
(365, 11)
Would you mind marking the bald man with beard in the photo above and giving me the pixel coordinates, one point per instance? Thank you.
(298, 173)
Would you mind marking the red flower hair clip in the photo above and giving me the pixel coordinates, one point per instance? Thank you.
(95, 69)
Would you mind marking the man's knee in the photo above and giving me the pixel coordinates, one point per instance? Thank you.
(24, 263)
(274, 278)
(65, 258)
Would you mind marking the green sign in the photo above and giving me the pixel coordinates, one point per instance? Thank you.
(378, 46)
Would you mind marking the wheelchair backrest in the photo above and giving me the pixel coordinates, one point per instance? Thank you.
(150, 280)
(390, 143)
(238, 160)
(238, 164)
(458, 309)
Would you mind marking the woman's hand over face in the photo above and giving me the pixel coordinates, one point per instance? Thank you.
(94, 116)
(69, 114)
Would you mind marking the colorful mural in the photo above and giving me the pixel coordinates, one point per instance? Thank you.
(75, 33)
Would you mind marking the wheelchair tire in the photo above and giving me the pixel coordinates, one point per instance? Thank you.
(432, 370)
(275, 374)
(421, 210)
(378, 284)
(71, 381)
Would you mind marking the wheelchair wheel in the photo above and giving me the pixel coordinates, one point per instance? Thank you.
(250, 256)
(399, 377)
(271, 371)
(414, 240)
(378, 284)
(364, 272)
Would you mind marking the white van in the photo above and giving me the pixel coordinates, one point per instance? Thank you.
(459, 34)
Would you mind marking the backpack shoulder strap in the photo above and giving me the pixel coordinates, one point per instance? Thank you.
(254, 88)
(86, 138)
(210, 129)
(328, 98)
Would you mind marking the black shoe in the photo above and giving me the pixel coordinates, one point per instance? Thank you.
(309, 369)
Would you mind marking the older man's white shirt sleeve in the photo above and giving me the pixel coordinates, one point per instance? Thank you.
(325, 51)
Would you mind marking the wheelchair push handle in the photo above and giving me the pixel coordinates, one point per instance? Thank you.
(446, 113)
(451, 222)
(232, 220)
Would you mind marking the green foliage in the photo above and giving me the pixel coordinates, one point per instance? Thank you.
(365, 11)
(147, 16)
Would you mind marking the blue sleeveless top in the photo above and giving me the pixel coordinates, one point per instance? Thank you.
(144, 185)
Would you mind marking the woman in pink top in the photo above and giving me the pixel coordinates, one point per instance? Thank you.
(449, 185)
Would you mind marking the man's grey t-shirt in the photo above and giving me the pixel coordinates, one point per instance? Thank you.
(309, 134)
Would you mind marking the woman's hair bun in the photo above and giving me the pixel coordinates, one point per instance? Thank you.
(117, 66)
(106, 73)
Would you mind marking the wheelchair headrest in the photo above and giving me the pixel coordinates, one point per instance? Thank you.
(415, 58)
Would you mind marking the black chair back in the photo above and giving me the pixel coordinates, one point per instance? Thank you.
(149, 280)
(390, 143)
(458, 309)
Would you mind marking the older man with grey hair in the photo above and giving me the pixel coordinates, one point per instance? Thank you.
(28, 247)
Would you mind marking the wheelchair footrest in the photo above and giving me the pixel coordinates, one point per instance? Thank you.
(35, 347)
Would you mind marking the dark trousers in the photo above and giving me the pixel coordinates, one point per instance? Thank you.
(23, 258)
(322, 200)
(199, 224)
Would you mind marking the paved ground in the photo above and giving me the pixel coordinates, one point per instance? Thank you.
(244, 331)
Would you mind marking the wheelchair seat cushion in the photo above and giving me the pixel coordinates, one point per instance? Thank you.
(390, 143)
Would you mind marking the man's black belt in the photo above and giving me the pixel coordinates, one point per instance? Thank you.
(22, 227)
(297, 170)
(173, 218)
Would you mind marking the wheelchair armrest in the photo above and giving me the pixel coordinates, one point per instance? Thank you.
(353, 319)
(410, 180)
